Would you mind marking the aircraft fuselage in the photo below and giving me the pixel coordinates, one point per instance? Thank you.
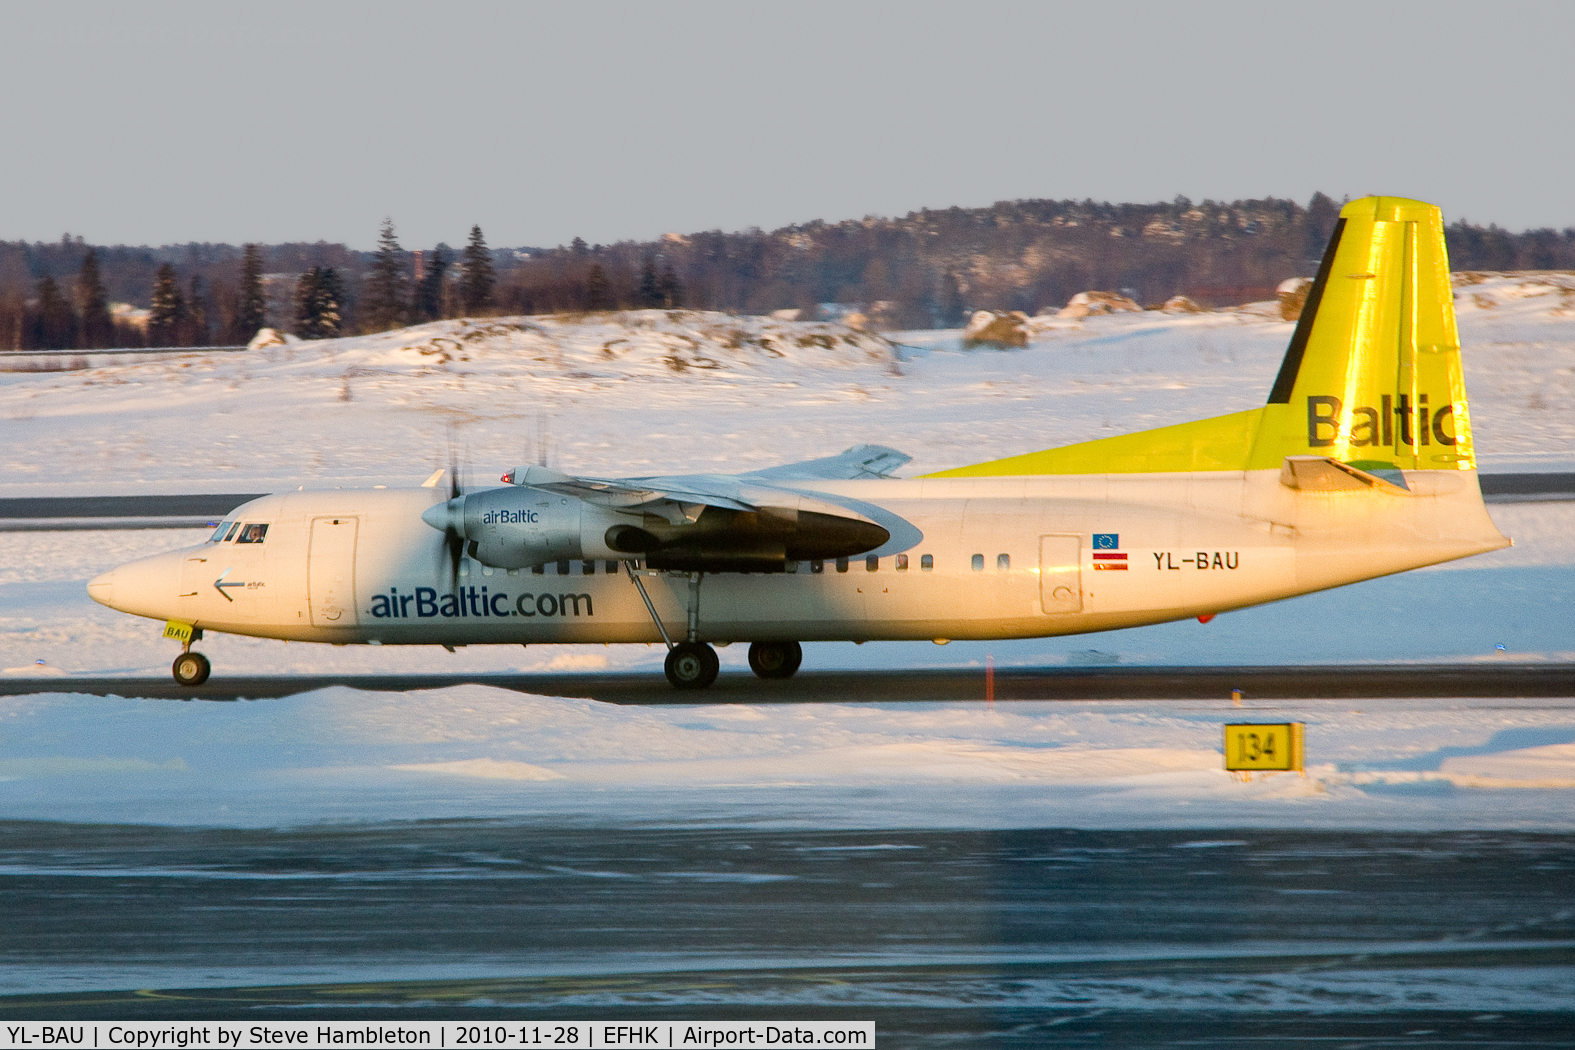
(969, 558)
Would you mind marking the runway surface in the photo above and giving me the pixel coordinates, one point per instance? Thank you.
(46, 513)
(1043, 683)
(1132, 938)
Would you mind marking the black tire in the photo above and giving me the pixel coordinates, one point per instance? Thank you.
(691, 665)
(775, 659)
(191, 669)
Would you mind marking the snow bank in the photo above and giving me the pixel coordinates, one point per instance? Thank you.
(343, 754)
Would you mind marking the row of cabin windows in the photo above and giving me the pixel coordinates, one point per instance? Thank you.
(872, 564)
(1003, 563)
(563, 568)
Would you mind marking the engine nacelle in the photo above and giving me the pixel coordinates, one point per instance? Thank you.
(520, 527)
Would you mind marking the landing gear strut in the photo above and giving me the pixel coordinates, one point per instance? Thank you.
(691, 665)
(191, 669)
(775, 659)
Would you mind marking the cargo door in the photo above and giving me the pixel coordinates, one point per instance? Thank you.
(1061, 573)
(330, 572)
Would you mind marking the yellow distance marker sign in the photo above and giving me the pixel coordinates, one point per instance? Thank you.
(1251, 746)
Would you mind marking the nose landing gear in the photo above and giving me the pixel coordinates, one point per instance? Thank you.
(191, 668)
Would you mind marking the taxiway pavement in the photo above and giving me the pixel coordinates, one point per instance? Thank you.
(1492, 679)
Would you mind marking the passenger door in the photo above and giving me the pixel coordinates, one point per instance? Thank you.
(330, 573)
(1061, 573)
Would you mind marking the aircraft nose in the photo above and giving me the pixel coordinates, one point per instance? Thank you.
(101, 588)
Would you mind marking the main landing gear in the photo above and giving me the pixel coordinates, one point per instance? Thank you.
(191, 668)
(775, 659)
(691, 665)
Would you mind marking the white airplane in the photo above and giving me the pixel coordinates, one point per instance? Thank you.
(1359, 465)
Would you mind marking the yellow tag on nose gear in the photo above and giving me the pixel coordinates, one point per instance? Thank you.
(181, 632)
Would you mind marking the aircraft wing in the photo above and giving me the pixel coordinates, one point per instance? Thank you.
(712, 490)
(681, 498)
(859, 462)
(678, 499)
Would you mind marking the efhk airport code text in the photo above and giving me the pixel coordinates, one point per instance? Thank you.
(582, 1035)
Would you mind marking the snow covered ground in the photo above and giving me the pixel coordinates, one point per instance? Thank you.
(478, 751)
(649, 392)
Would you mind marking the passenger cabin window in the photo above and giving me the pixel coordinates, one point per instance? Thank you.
(842, 565)
(563, 568)
(539, 570)
(1003, 562)
(589, 569)
(978, 563)
(872, 563)
(902, 563)
(252, 533)
(612, 568)
(926, 562)
(817, 566)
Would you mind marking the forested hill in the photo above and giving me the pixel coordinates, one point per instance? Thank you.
(927, 268)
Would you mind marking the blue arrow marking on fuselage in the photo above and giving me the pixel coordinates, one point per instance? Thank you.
(219, 584)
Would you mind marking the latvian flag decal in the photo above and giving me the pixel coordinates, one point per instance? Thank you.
(1106, 556)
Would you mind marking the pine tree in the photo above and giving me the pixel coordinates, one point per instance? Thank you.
(251, 311)
(55, 323)
(670, 289)
(169, 309)
(306, 303)
(387, 301)
(429, 293)
(318, 293)
(650, 293)
(197, 331)
(98, 327)
(596, 293)
(330, 303)
(476, 277)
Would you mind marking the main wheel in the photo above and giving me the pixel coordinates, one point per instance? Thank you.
(691, 665)
(191, 669)
(775, 659)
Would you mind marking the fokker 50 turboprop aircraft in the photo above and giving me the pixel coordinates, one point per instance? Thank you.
(1359, 465)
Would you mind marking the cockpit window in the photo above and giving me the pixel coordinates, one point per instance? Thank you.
(252, 533)
(218, 533)
(231, 534)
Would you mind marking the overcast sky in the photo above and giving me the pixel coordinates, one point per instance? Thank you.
(152, 123)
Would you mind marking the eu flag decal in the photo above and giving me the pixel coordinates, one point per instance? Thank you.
(1106, 541)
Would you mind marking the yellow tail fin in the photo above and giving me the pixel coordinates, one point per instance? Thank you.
(1372, 376)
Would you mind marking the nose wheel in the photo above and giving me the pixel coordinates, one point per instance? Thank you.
(775, 659)
(691, 665)
(192, 669)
